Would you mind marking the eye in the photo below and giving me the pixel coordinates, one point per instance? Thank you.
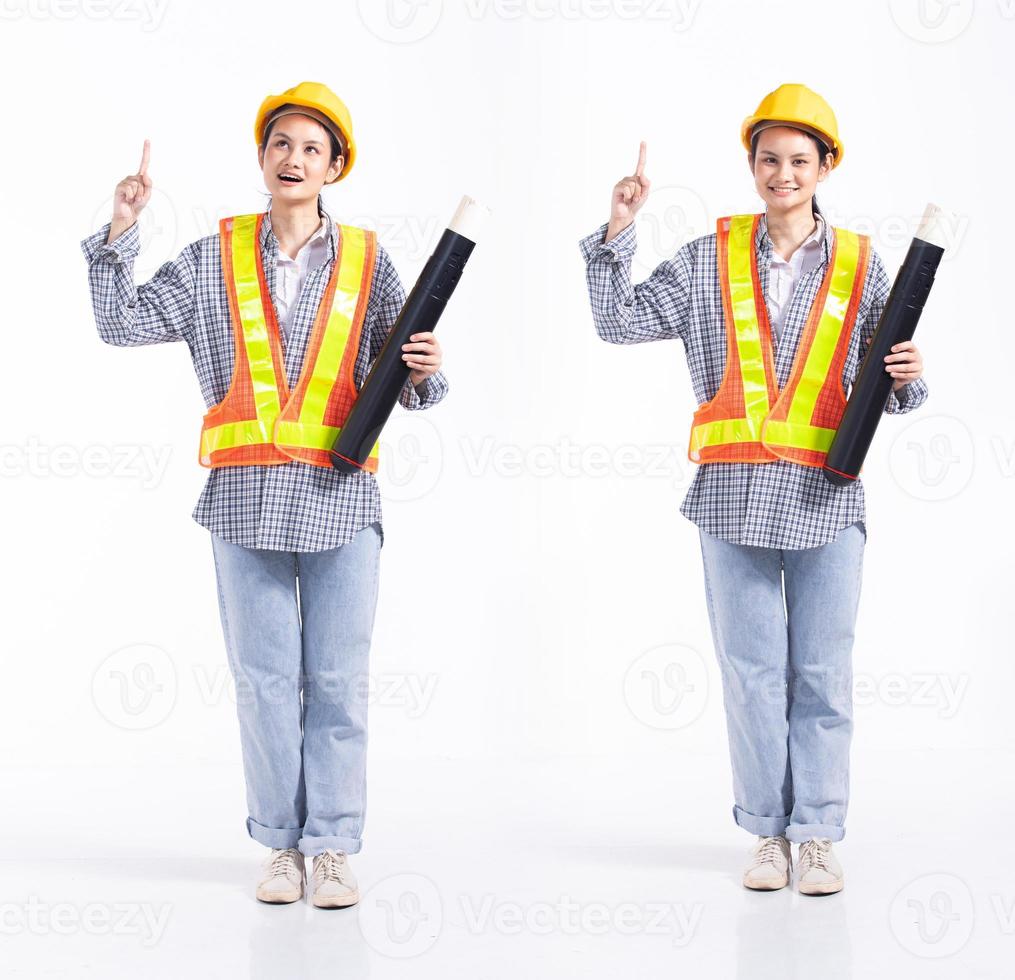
(279, 142)
(314, 148)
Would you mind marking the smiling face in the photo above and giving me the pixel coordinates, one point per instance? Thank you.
(296, 159)
(786, 168)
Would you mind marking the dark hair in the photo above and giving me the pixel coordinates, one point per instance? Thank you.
(819, 145)
(337, 146)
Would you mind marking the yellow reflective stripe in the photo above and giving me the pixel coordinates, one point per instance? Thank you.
(255, 327)
(826, 339)
(745, 317)
(793, 435)
(723, 431)
(309, 435)
(232, 434)
(339, 326)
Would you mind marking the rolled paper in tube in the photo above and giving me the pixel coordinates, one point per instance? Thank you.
(422, 310)
(897, 322)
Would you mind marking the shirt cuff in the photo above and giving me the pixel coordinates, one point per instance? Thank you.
(431, 391)
(909, 396)
(122, 249)
(621, 246)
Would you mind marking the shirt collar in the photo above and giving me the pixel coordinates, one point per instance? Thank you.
(329, 229)
(823, 233)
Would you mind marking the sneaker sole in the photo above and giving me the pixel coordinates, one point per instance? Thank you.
(279, 898)
(338, 902)
(765, 885)
(820, 888)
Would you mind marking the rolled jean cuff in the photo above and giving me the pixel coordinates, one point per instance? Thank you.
(800, 832)
(762, 826)
(282, 837)
(310, 846)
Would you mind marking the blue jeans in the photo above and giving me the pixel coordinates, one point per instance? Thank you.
(304, 762)
(787, 678)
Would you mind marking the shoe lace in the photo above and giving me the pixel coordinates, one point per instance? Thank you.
(768, 850)
(330, 866)
(282, 862)
(815, 853)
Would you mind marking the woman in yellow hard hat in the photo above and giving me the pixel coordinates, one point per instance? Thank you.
(776, 311)
(283, 313)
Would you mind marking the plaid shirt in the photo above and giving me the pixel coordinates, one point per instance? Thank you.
(291, 506)
(771, 505)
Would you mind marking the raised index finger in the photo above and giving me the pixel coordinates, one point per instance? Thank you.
(144, 157)
(641, 160)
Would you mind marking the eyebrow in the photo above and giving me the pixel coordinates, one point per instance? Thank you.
(288, 137)
(772, 153)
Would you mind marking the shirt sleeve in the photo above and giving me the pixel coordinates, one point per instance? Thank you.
(385, 304)
(913, 394)
(160, 311)
(624, 313)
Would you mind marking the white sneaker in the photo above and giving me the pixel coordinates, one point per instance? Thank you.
(283, 876)
(333, 885)
(770, 864)
(818, 872)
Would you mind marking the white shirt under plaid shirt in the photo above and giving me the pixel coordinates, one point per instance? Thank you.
(772, 505)
(291, 506)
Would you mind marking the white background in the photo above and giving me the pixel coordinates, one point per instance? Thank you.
(537, 578)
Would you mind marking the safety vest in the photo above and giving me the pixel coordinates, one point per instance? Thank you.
(750, 420)
(260, 422)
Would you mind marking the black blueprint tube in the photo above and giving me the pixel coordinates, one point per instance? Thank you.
(897, 322)
(423, 308)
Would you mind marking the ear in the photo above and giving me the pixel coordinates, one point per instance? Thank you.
(750, 164)
(260, 158)
(826, 166)
(335, 169)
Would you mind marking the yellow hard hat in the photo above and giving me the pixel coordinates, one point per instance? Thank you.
(799, 106)
(321, 104)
